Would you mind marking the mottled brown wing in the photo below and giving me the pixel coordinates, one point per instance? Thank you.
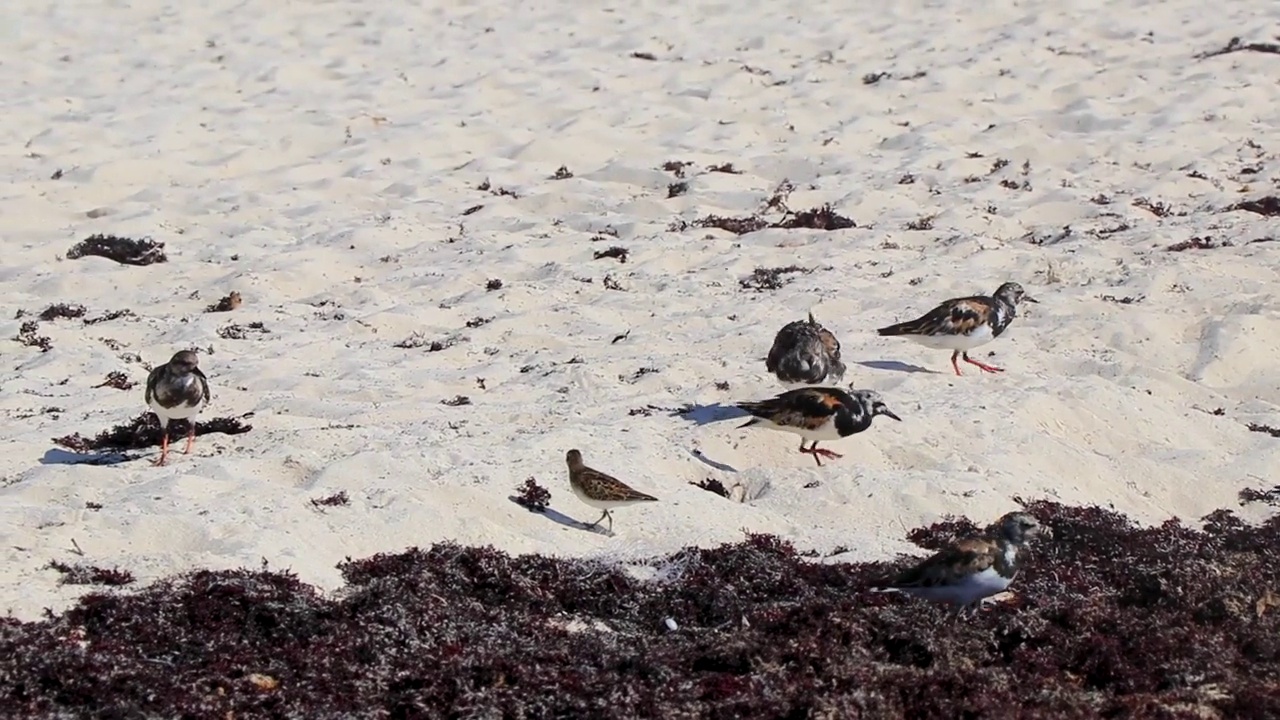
(204, 383)
(962, 558)
(602, 486)
(792, 335)
(953, 317)
(803, 408)
(153, 379)
(805, 352)
(830, 342)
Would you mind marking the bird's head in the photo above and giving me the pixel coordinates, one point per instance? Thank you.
(1012, 293)
(873, 404)
(1020, 527)
(184, 361)
(573, 458)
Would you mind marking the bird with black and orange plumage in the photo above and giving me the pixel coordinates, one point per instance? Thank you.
(970, 569)
(962, 324)
(818, 414)
(177, 390)
(803, 354)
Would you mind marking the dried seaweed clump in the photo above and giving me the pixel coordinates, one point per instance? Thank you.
(1198, 243)
(1268, 206)
(617, 253)
(240, 332)
(1270, 497)
(144, 431)
(338, 499)
(735, 225)
(819, 218)
(118, 380)
(29, 335)
(532, 496)
(712, 485)
(762, 279)
(228, 303)
(1109, 620)
(418, 340)
(125, 251)
(109, 316)
(1260, 428)
(90, 575)
(62, 311)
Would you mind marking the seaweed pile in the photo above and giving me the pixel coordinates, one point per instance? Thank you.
(1109, 620)
(126, 251)
(144, 431)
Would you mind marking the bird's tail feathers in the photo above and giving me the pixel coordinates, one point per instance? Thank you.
(910, 327)
(802, 367)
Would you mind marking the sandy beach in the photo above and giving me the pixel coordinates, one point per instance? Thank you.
(411, 201)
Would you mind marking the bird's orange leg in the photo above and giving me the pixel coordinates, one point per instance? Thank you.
(164, 449)
(983, 366)
(815, 451)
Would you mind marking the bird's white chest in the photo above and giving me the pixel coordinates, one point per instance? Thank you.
(966, 590)
(789, 385)
(182, 411)
(825, 431)
(980, 335)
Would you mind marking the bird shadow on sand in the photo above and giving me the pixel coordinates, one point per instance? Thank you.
(707, 414)
(54, 456)
(698, 455)
(560, 518)
(895, 366)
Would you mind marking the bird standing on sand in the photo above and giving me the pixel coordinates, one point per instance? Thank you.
(177, 390)
(818, 413)
(962, 324)
(805, 353)
(969, 570)
(599, 490)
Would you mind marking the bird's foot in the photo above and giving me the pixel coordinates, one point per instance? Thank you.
(817, 451)
(982, 366)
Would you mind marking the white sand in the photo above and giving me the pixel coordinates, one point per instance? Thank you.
(318, 157)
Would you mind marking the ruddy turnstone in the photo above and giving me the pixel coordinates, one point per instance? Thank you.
(972, 569)
(805, 353)
(962, 324)
(818, 413)
(177, 390)
(599, 490)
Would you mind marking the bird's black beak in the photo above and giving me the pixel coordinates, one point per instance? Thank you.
(1028, 298)
(888, 412)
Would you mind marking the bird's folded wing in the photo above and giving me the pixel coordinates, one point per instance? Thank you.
(948, 566)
